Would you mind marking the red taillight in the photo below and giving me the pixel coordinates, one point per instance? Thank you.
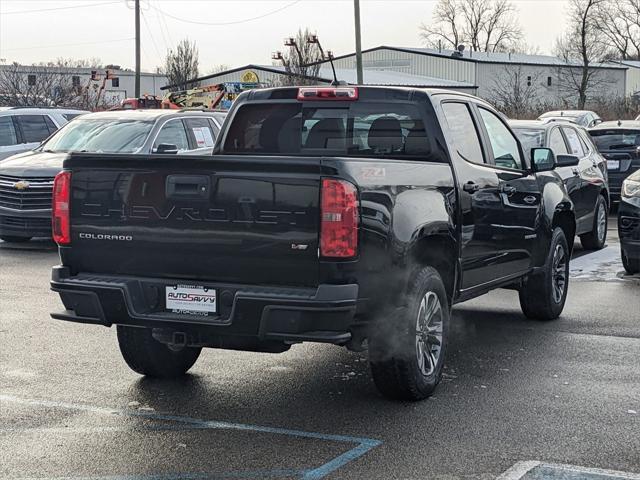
(339, 224)
(328, 93)
(60, 211)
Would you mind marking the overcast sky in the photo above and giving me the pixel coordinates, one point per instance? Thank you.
(238, 31)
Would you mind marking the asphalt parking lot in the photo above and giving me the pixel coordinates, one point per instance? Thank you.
(565, 392)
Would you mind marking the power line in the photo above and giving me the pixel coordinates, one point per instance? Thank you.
(71, 44)
(153, 40)
(235, 22)
(59, 8)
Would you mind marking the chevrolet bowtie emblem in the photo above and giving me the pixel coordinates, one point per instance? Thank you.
(21, 185)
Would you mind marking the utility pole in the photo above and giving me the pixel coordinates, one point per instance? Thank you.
(356, 10)
(137, 87)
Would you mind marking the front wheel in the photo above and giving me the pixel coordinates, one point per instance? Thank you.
(597, 237)
(146, 356)
(406, 353)
(543, 295)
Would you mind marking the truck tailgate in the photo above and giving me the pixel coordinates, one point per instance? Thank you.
(221, 218)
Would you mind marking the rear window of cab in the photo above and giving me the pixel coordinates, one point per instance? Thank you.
(352, 129)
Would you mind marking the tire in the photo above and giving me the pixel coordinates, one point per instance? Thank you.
(543, 295)
(631, 265)
(406, 353)
(13, 239)
(146, 356)
(597, 237)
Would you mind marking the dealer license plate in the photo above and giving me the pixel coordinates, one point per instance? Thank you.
(190, 298)
(613, 164)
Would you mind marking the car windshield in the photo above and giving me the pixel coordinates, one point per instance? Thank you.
(531, 137)
(616, 139)
(104, 135)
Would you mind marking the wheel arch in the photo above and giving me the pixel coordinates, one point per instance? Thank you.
(440, 252)
(566, 220)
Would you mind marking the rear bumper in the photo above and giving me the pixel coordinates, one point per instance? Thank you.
(322, 314)
(25, 223)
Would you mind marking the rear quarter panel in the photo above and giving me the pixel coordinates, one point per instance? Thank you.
(401, 203)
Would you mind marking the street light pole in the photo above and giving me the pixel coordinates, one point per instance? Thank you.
(137, 84)
(356, 11)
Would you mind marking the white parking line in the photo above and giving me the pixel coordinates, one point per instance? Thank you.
(536, 470)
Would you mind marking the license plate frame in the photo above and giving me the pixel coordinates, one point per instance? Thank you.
(191, 299)
(613, 164)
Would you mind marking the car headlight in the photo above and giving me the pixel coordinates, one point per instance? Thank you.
(631, 189)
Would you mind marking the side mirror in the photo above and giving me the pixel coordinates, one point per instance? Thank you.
(166, 148)
(542, 160)
(567, 160)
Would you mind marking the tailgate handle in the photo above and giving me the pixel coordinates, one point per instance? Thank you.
(188, 186)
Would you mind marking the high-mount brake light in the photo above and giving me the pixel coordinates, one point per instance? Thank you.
(328, 93)
(61, 224)
(339, 219)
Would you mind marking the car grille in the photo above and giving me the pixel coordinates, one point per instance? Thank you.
(25, 223)
(36, 195)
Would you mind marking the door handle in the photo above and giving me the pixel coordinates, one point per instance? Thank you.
(188, 186)
(576, 172)
(508, 189)
(471, 187)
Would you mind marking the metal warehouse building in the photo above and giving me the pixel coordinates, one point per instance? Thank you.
(488, 70)
(473, 72)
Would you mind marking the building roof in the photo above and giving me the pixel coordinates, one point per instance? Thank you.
(349, 75)
(629, 63)
(384, 77)
(491, 57)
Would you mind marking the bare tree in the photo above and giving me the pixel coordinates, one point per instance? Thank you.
(301, 61)
(181, 65)
(48, 84)
(582, 45)
(619, 23)
(487, 25)
(515, 92)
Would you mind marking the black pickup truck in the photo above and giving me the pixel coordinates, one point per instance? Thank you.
(355, 216)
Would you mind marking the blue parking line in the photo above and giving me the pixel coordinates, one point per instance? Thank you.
(363, 445)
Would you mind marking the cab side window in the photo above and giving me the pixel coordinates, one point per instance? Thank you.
(463, 130)
(506, 153)
(574, 141)
(201, 132)
(34, 128)
(172, 133)
(556, 142)
(7, 132)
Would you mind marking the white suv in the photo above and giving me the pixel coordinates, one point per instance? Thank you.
(24, 128)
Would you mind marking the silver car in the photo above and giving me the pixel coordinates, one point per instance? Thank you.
(24, 128)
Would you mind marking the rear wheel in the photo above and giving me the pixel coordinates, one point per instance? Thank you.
(407, 352)
(597, 237)
(146, 356)
(544, 294)
(631, 265)
(14, 239)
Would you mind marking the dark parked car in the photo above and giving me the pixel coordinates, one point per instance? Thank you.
(587, 182)
(629, 223)
(619, 144)
(584, 118)
(354, 216)
(26, 179)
